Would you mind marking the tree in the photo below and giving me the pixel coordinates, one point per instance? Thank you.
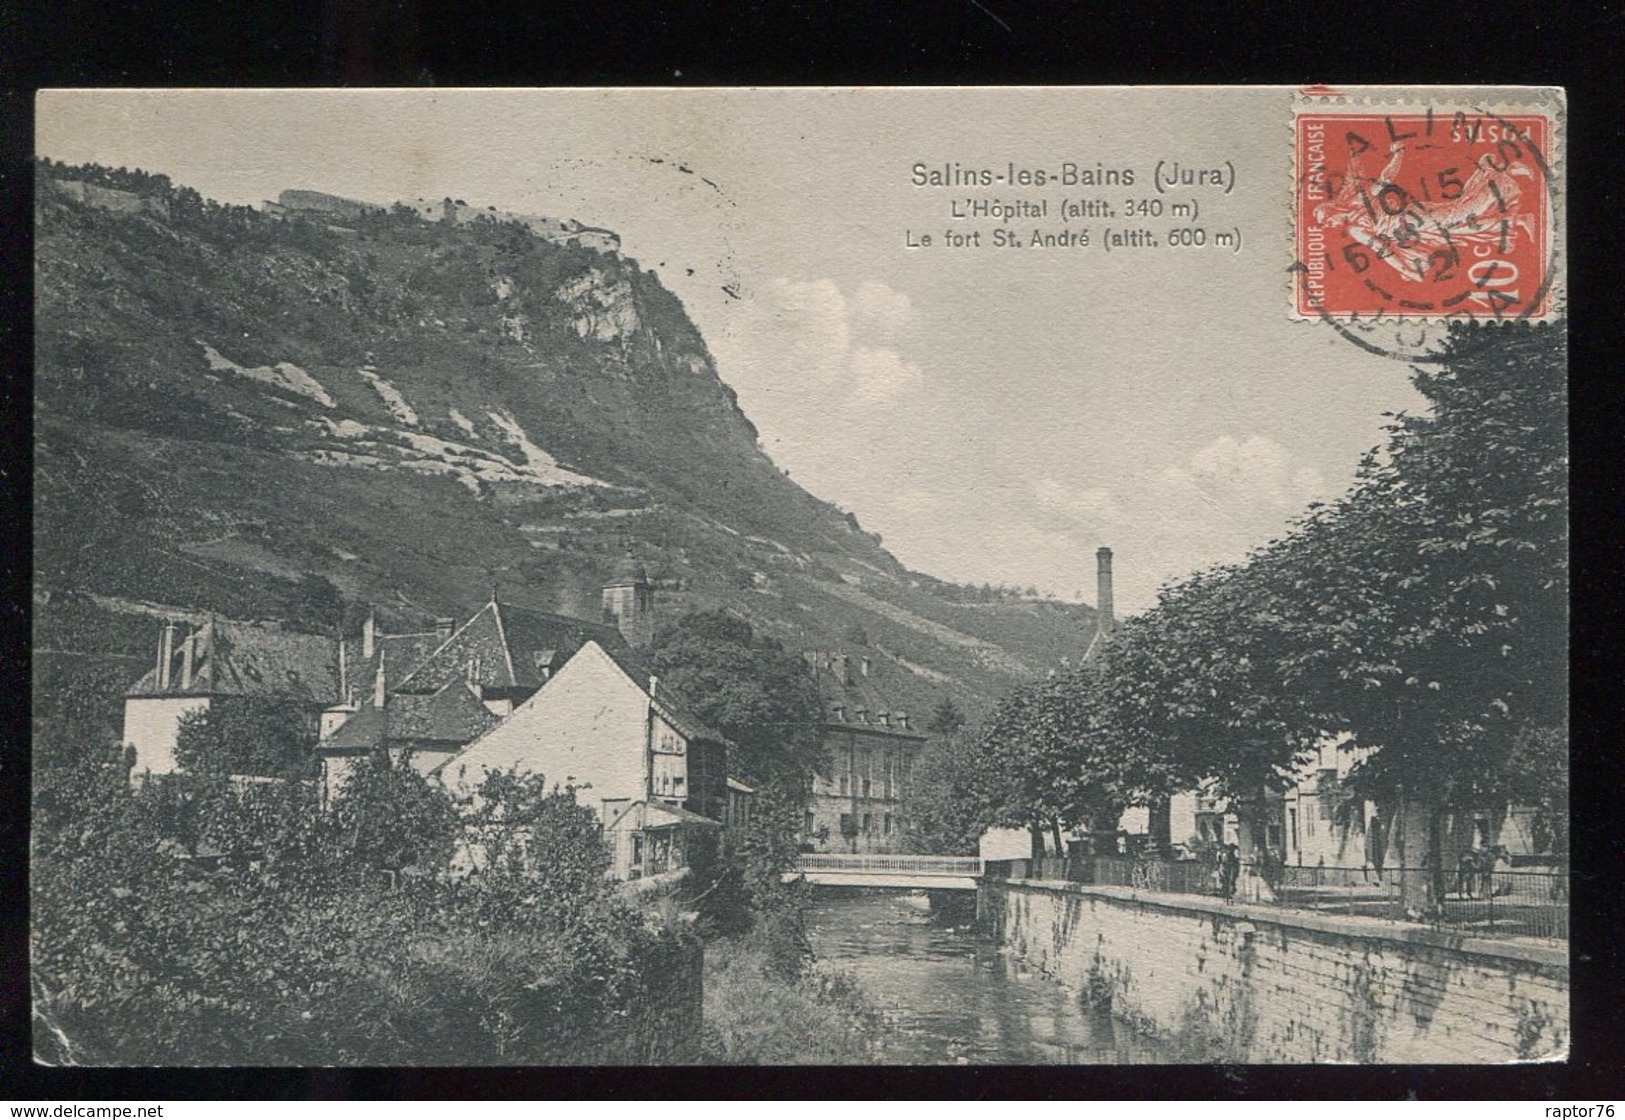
(1044, 762)
(526, 830)
(1423, 614)
(765, 702)
(1453, 550)
(946, 813)
(946, 718)
(280, 962)
(388, 817)
(262, 736)
(1197, 690)
(760, 697)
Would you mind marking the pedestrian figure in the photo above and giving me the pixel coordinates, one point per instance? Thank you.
(1475, 871)
(1229, 869)
(1375, 845)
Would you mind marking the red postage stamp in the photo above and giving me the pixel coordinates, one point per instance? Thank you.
(1423, 215)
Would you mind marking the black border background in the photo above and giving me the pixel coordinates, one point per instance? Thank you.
(917, 42)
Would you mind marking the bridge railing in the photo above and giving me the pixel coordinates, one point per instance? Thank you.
(890, 864)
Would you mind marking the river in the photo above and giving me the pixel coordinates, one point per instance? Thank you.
(951, 997)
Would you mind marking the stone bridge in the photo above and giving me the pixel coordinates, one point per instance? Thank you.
(899, 872)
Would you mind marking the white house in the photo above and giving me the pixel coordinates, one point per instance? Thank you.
(220, 662)
(602, 725)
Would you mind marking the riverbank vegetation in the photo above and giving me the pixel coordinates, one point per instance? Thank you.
(201, 921)
(1423, 616)
(242, 922)
(768, 1001)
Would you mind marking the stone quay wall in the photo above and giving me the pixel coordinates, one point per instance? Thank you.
(1233, 982)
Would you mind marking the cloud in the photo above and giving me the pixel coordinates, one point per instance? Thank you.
(809, 336)
(1255, 471)
(880, 310)
(1091, 503)
(830, 374)
(1212, 506)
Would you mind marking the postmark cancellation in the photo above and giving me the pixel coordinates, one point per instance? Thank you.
(1414, 211)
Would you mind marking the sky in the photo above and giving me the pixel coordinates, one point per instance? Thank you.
(995, 414)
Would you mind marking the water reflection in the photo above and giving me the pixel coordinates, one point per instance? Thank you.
(952, 997)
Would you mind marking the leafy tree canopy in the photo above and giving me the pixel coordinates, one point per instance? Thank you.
(1423, 614)
(261, 736)
(388, 816)
(946, 718)
(947, 809)
(280, 948)
(761, 697)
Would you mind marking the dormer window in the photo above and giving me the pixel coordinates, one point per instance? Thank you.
(840, 712)
(885, 719)
(863, 715)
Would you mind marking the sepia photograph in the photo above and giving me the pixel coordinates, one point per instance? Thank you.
(800, 576)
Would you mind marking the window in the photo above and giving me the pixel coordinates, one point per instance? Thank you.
(868, 824)
(843, 785)
(887, 825)
(677, 784)
(866, 787)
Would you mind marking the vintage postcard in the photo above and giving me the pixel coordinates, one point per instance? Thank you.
(872, 576)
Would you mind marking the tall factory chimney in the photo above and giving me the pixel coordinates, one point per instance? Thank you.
(1105, 621)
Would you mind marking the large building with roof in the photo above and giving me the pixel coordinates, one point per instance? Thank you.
(411, 692)
(428, 695)
(202, 667)
(508, 689)
(860, 804)
(504, 654)
(424, 728)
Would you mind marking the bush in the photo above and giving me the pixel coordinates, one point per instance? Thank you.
(757, 1014)
(262, 736)
(195, 922)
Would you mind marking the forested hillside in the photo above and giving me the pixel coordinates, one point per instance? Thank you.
(289, 415)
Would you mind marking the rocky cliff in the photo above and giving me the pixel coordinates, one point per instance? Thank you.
(291, 413)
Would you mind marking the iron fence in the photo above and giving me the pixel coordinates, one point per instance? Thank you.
(897, 864)
(1523, 903)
